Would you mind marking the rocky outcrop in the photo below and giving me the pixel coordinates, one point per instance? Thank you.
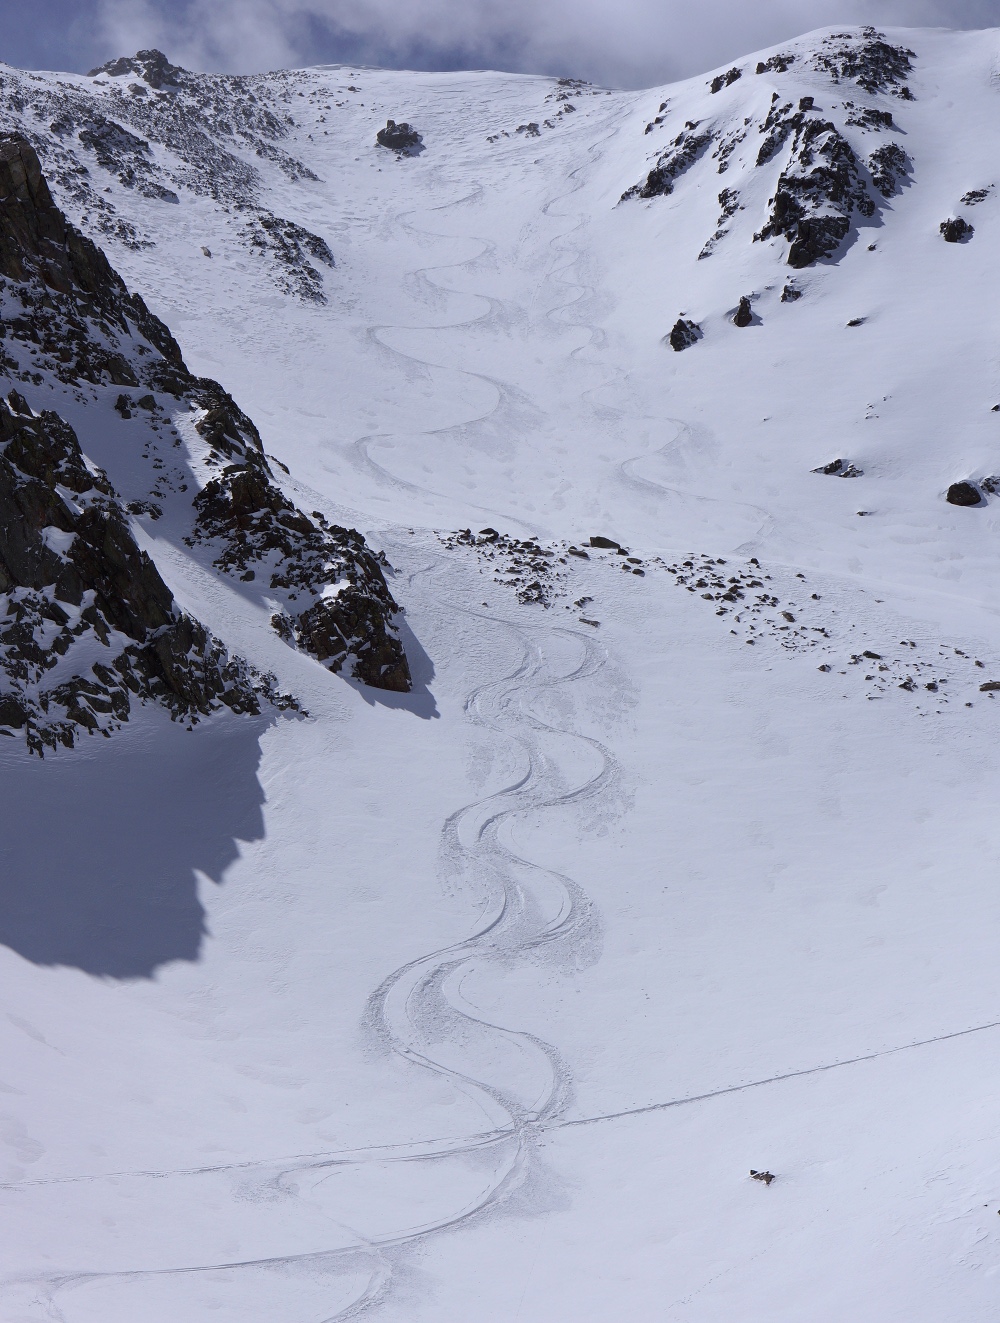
(840, 468)
(868, 59)
(817, 191)
(956, 230)
(744, 313)
(87, 624)
(888, 165)
(725, 80)
(73, 582)
(684, 334)
(403, 138)
(680, 156)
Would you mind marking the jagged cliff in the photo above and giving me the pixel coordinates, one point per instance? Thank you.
(87, 623)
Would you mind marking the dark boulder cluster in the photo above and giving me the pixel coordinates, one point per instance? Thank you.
(401, 138)
(956, 230)
(684, 334)
(870, 60)
(87, 624)
(725, 80)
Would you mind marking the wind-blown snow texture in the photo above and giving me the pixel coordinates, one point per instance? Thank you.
(481, 1000)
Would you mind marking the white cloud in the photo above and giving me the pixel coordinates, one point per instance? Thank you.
(624, 42)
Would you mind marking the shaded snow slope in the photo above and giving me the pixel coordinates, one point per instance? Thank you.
(483, 1000)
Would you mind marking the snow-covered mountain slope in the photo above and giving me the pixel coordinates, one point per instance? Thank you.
(482, 1000)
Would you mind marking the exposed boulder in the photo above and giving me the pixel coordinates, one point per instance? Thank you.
(401, 137)
(684, 334)
(956, 230)
(744, 313)
(963, 493)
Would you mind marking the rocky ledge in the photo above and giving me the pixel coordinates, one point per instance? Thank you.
(87, 623)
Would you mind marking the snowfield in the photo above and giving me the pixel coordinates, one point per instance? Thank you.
(482, 1001)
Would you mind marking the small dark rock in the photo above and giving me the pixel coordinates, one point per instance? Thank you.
(684, 334)
(605, 543)
(963, 493)
(789, 294)
(766, 1176)
(991, 686)
(806, 102)
(744, 313)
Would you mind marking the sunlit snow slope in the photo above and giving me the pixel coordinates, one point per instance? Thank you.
(679, 861)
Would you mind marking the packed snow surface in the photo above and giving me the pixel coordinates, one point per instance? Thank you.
(679, 861)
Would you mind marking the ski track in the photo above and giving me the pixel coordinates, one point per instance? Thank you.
(427, 991)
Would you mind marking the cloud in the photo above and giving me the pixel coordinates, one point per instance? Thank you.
(619, 42)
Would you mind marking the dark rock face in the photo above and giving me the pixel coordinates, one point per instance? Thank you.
(152, 66)
(343, 613)
(963, 493)
(86, 622)
(744, 313)
(776, 64)
(678, 157)
(888, 165)
(817, 191)
(684, 334)
(400, 137)
(725, 80)
(956, 230)
(73, 581)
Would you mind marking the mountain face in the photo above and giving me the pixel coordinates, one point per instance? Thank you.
(74, 580)
(625, 945)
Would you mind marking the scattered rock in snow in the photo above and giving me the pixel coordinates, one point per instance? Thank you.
(963, 493)
(976, 195)
(869, 60)
(956, 230)
(605, 543)
(744, 313)
(789, 294)
(841, 469)
(684, 334)
(766, 1176)
(776, 64)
